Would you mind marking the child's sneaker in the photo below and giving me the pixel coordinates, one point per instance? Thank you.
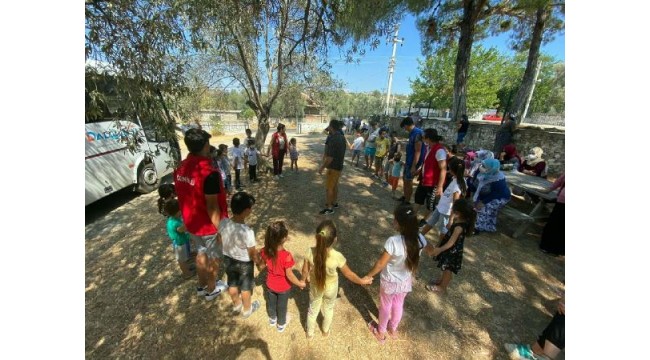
(237, 309)
(222, 285)
(216, 292)
(281, 328)
(201, 291)
(254, 307)
(273, 322)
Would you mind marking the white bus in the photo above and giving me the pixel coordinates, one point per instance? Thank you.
(111, 166)
(124, 153)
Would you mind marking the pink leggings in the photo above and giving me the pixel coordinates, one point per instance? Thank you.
(390, 307)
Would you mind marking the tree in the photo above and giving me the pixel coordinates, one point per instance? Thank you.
(143, 43)
(456, 21)
(264, 46)
(485, 75)
(535, 23)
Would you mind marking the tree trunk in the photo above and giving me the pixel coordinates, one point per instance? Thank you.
(459, 102)
(262, 131)
(531, 65)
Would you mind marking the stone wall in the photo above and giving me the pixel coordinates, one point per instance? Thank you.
(481, 134)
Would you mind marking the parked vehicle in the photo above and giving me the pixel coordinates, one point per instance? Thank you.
(492, 117)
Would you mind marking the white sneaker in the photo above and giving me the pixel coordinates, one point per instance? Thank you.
(218, 289)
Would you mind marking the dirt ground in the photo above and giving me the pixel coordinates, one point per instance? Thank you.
(138, 306)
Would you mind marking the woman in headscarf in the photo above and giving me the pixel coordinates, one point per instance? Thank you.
(472, 172)
(534, 164)
(491, 195)
(509, 156)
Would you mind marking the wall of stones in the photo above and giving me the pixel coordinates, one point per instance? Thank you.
(481, 134)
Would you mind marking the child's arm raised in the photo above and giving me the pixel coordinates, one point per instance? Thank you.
(352, 276)
(454, 236)
(379, 265)
(294, 280)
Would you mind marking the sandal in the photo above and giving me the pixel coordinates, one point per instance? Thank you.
(435, 289)
(393, 335)
(376, 334)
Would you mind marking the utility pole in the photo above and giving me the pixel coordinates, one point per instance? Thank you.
(530, 96)
(391, 68)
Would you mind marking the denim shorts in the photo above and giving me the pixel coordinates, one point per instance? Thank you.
(208, 245)
(438, 220)
(460, 138)
(240, 273)
(370, 151)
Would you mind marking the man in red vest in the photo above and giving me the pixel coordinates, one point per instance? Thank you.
(434, 171)
(202, 197)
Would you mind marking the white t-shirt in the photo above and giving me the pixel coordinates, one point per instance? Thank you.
(236, 238)
(238, 158)
(396, 270)
(447, 198)
(358, 143)
(372, 137)
(252, 156)
(281, 142)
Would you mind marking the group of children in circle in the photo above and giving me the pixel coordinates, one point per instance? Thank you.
(247, 158)
(454, 218)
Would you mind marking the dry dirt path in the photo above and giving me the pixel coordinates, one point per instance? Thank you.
(137, 306)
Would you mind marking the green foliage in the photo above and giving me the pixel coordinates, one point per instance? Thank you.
(493, 78)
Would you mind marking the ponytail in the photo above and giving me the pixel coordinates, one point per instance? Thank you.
(325, 236)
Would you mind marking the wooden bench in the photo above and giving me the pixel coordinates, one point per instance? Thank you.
(519, 216)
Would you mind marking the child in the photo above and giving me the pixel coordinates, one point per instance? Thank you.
(165, 192)
(450, 252)
(456, 188)
(293, 153)
(279, 263)
(356, 147)
(249, 136)
(239, 253)
(321, 263)
(237, 162)
(251, 155)
(179, 236)
(396, 171)
(397, 264)
(394, 149)
(224, 166)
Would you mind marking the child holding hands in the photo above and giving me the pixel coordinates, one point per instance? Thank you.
(321, 264)
(280, 276)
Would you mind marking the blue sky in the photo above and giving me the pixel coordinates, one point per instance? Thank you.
(372, 71)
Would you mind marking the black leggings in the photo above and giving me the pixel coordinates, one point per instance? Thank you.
(276, 306)
(252, 172)
(237, 179)
(554, 332)
(277, 163)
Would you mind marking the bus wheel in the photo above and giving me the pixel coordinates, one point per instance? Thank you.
(147, 178)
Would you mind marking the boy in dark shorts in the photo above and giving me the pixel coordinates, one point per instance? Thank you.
(240, 254)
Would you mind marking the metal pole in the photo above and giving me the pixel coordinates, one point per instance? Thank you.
(530, 96)
(391, 68)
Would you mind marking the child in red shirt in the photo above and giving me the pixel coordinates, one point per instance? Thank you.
(279, 263)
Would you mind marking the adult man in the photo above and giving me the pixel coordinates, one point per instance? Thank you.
(463, 125)
(414, 156)
(333, 161)
(202, 198)
(434, 172)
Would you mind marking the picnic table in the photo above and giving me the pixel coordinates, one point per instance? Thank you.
(533, 185)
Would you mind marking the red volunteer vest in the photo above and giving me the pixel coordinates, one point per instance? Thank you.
(430, 169)
(188, 181)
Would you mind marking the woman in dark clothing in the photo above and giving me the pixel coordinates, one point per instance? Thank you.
(504, 134)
